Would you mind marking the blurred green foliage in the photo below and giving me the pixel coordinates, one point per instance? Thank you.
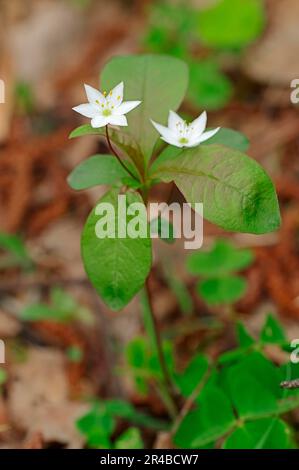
(3, 376)
(231, 23)
(25, 102)
(224, 27)
(217, 267)
(15, 252)
(98, 425)
(61, 308)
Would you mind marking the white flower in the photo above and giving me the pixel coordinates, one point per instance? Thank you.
(181, 134)
(105, 108)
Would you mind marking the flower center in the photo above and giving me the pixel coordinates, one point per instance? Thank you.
(106, 112)
(183, 140)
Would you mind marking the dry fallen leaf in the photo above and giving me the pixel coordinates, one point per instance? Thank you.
(38, 398)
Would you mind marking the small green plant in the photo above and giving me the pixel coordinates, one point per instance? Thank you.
(206, 166)
(61, 308)
(15, 253)
(99, 425)
(219, 285)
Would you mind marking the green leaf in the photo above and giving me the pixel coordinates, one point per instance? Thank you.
(236, 192)
(160, 82)
(96, 170)
(272, 331)
(250, 397)
(129, 439)
(117, 267)
(231, 23)
(213, 418)
(232, 356)
(86, 129)
(123, 409)
(97, 425)
(245, 340)
(222, 258)
(269, 433)
(209, 88)
(222, 290)
(263, 370)
(230, 138)
(188, 380)
(120, 138)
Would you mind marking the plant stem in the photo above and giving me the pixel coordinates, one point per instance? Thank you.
(156, 342)
(190, 402)
(116, 154)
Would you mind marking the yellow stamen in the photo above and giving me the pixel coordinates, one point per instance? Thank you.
(105, 93)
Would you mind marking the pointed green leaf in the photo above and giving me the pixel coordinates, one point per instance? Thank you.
(272, 331)
(244, 338)
(96, 170)
(236, 192)
(160, 82)
(117, 267)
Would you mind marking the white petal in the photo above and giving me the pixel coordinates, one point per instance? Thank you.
(166, 134)
(172, 141)
(199, 124)
(125, 107)
(118, 120)
(87, 110)
(173, 120)
(99, 121)
(207, 135)
(116, 96)
(94, 95)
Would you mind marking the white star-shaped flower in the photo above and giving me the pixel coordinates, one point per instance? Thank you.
(105, 108)
(181, 134)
